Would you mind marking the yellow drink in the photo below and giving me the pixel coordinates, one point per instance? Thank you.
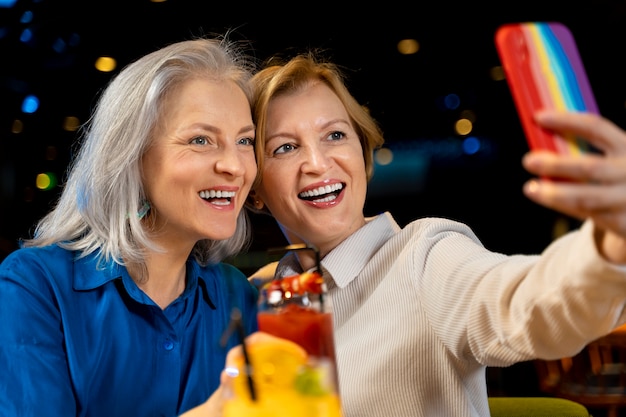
(286, 384)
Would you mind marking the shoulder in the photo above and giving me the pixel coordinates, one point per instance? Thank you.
(38, 269)
(430, 227)
(219, 271)
(224, 275)
(232, 273)
(33, 257)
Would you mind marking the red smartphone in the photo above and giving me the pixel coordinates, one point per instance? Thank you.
(544, 70)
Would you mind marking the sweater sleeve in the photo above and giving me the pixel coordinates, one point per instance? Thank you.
(504, 309)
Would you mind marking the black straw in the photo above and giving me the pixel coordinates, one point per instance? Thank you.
(237, 324)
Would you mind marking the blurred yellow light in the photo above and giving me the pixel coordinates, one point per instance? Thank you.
(43, 181)
(408, 46)
(561, 226)
(71, 123)
(383, 156)
(105, 64)
(46, 181)
(497, 73)
(463, 126)
(17, 126)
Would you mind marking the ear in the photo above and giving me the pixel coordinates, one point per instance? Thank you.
(254, 202)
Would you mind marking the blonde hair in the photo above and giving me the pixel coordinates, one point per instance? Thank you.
(279, 79)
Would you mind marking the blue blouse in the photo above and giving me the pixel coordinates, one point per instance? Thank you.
(76, 340)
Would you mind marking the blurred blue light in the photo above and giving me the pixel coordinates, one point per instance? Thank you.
(74, 39)
(7, 3)
(471, 145)
(452, 101)
(30, 104)
(59, 45)
(26, 35)
(27, 17)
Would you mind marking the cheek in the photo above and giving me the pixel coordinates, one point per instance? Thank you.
(269, 192)
(250, 167)
(353, 164)
(277, 178)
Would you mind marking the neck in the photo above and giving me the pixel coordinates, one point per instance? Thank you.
(306, 259)
(165, 280)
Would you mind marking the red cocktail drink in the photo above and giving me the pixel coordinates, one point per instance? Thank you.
(296, 308)
(307, 327)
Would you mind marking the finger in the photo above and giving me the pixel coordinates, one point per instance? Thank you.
(233, 358)
(605, 204)
(585, 197)
(612, 221)
(597, 130)
(583, 168)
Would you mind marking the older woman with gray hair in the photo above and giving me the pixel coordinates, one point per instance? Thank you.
(117, 304)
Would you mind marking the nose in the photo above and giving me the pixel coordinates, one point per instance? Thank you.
(315, 160)
(230, 161)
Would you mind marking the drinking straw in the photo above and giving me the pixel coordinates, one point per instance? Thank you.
(236, 324)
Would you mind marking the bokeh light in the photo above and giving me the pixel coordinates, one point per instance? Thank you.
(463, 127)
(471, 145)
(105, 64)
(383, 156)
(408, 46)
(30, 104)
(71, 123)
(46, 181)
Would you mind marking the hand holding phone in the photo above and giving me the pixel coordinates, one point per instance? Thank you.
(544, 70)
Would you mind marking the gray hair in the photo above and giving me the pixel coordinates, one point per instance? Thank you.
(96, 211)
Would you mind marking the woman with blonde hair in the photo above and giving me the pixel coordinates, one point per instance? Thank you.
(420, 311)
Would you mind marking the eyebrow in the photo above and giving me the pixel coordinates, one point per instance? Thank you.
(334, 121)
(215, 129)
(323, 126)
(247, 128)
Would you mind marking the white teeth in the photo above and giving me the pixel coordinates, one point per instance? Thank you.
(220, 203)
(326, 199)
(325, 189)
(216, 194)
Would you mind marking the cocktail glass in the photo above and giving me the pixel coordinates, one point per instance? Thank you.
(297, 377)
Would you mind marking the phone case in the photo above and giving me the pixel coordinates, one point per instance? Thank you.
(544, 70)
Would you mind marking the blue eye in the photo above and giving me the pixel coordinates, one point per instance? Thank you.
(246, 141)
(337, 135)
(199, 140)
(287, 147)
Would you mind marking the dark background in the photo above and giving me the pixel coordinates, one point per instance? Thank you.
(404, 93)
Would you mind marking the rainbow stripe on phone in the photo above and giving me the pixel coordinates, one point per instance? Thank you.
(556, 69)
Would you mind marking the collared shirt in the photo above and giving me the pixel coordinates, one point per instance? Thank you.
(76, 340)
(420, 311)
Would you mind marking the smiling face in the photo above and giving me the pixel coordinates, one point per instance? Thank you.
(200, 166)
(314, 180)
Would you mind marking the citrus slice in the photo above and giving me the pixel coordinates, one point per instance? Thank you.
(275, 364)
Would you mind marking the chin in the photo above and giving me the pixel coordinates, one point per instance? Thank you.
(219, 234)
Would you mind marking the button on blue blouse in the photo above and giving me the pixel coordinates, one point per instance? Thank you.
(78, 340)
